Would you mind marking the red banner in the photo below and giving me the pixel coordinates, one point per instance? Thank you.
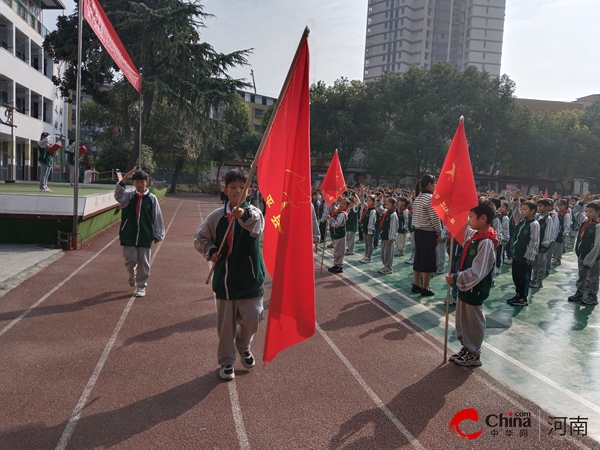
(333, 184)
(96, 17)
(284, 179)
(455, 193)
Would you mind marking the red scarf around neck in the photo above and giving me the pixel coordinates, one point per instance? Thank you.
(488, 234)
(587, 224)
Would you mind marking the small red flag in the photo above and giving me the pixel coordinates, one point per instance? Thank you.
(98, 21)
(333, 184)
(285, 182)
(455, 193)
(546, 193)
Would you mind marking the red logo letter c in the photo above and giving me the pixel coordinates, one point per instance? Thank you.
(465, 414)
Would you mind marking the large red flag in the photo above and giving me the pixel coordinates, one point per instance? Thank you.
(455, 193)
(96, 17)
(333, 184)
(285, 182)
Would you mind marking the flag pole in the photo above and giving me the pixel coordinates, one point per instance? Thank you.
(77, 127)
(140, 130)
(263, 141)
(448, 302)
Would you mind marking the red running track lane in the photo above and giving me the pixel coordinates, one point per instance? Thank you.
(367, 379)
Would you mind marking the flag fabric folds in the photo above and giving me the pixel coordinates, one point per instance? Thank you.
(98, 21)
(284, 179)
(455, 193)
(333, 184)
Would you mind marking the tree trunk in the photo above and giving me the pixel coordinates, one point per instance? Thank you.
(178, 167)
(218, 174)
(135, 151)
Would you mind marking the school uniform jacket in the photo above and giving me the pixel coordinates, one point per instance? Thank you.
(139, 228)
(475, 278)
(526, 234)
(43, 156)
(338, 225)
(564, 225)
(587, 246)
(240, 272)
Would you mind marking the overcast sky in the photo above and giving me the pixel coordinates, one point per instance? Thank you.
(551, 47)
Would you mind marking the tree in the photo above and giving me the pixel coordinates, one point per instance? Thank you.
(162, 37)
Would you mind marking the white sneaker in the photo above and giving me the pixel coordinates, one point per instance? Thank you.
(410, 261)
(227, 372)
(141, 291)
(497, 271)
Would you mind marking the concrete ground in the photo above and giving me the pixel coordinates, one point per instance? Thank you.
(85, 364)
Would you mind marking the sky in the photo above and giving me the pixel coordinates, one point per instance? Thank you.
(551, 48)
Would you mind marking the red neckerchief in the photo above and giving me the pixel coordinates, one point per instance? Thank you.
(504, 213)
(138, 205)
(345, 211)
(383, 219)
(362, 216)
(587, 224)
(562, 212)
(489, 234)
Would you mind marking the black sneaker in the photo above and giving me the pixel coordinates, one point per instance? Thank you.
(415, 288)
(335, 269)
(427, 293)
(460, 354)
(578, 296)
(468, 359)
(519, 302)
(247, 359)
(590, 300)
(512, 299)
(227, 373)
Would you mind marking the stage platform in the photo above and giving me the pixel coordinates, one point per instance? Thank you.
(30, 216)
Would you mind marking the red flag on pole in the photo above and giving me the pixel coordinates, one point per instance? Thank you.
(96, 17)
(333, 184)
(455, 193)
(546, 193)
(285, 182)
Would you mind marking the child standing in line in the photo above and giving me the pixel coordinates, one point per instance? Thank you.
(367, 223)
(352, 224)
(564, 230)
(403, 207)
(141, 225)
(553, 217)
(337, 222)
(389, 228)
(587, 249)
(505, 231)
(525, 247)
(474, 281)
(497, 226)
(546, 233)
(411, 232)
(239, 275)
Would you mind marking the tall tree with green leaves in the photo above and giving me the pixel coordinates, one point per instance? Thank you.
(163, 39)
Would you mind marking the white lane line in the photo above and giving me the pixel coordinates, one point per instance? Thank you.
(76, 415)
(236, 409)
(53, 290)
(240, 429)
(499, 352)
(439, 350)
(407, 434)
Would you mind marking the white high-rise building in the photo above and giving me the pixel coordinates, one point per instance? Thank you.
(26, 85)
(404, 33)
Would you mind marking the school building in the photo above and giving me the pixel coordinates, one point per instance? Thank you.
(30, 104)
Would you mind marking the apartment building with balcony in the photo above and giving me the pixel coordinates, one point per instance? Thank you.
(27, 90)
(404, 33)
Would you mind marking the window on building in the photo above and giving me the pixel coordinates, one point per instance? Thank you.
(383, 58)
(366, 72)
(386, 25)
(426, 55)
(486, 21)
(258, 113)
(386, 14)
(485, 33)
(484, 44)
(483, 57)
(487, 10)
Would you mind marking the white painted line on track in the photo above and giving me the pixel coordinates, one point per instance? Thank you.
(539, 376)
(236, 409)
(407, 434)
(55, 288)
(75, 416)
(240, 429)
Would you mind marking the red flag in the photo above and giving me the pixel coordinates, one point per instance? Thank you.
(333, 184)
(96, 17)
(285, 182)
(546, 193)
(455, 193)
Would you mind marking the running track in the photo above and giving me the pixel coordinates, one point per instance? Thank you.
(85, 364)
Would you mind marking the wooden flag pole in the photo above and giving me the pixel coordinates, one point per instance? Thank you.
(263, 141)
(448, 302)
